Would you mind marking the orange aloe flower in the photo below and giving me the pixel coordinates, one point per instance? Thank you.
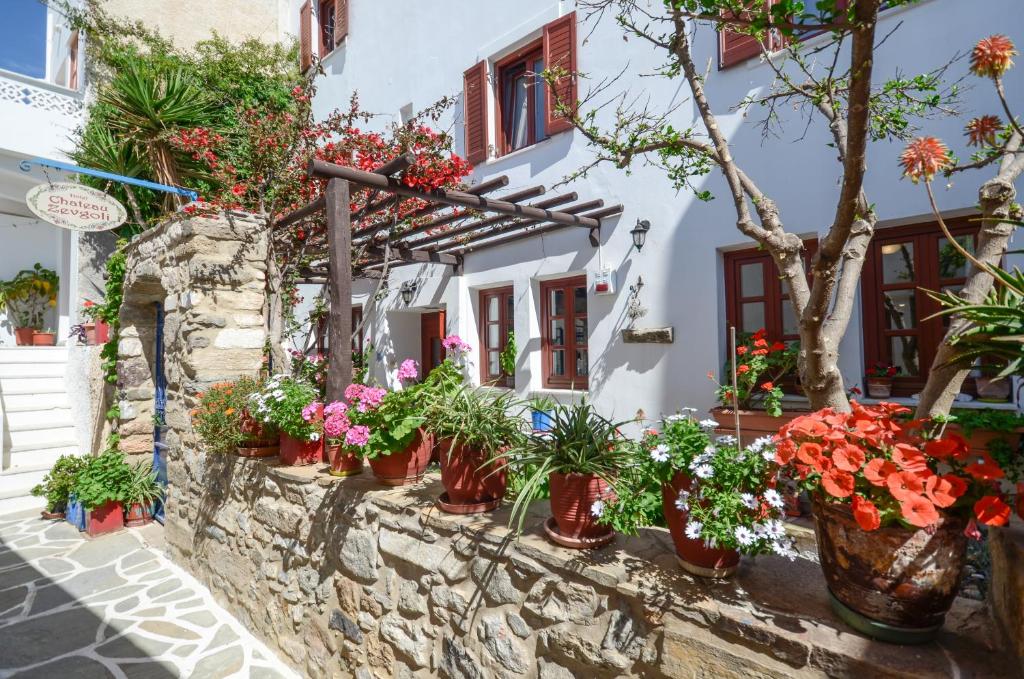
(982, 131)
(992, 56)
(923, 157)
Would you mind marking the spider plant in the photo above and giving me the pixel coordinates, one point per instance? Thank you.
(477, 418)
(142, 487)
(580, 441)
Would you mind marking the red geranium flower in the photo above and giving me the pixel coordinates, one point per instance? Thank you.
(919, 511)
(905, 485)
(941, 491)
(778, 346)
(984, 468)
(743, 369)
(878, 470)
(768, 386)
(740, 350)
(866, 513)
(848, 458)
(759, 352)
(992, 511)
(760, 343)
(838, 483)
(992, 56)
(909, 459)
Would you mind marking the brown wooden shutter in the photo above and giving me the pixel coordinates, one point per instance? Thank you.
(735, 48)
(475, 112)
(306, 36)
(560, 52)
(340, 21)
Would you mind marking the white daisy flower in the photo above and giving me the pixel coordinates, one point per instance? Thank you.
(768, 454)
(660, 453)
(277, 393)
(726, 440)
(784, 548)
(774, 498)
(687, 411)
(315, 436)
(760, 443)
(748, 500)
(683, 501)
(597, 509)
(708, 424)
(704, 471)
(744, 536)
(693, 529)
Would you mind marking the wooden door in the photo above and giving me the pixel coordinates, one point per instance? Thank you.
(431, 334)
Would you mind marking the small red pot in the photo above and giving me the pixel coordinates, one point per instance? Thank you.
(44, 339)
(137, 515)
(467, 476)
(572, 499)
(407, 466)
(295, 453)
(90, 333)
(694, 556)
(343, 463)
(106, 518)
(23, 336)
(102, 332)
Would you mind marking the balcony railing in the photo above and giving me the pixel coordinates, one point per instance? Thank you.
(40, 94)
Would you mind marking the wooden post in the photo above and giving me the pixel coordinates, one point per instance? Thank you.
(339, 322)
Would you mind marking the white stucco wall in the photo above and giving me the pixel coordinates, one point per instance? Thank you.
(681, 264)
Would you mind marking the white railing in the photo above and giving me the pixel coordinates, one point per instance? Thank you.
(40, 94)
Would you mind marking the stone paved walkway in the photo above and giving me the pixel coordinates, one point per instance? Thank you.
(78, 608)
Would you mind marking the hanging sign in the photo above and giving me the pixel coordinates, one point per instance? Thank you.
(76, 207)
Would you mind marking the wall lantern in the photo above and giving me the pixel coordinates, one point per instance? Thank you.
(407, 290)
(639, 233)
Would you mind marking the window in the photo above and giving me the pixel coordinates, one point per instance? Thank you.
(902, 262)
(497, 311)
(520, 99)
(564, 333)
(323, 338)
(756, 297)
(326, 19)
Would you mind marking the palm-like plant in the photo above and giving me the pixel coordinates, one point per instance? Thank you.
(96, 147)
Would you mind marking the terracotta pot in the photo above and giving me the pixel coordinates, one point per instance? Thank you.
(51, 515)
(102, 332)
(753, 423)
(106, 518)
(90, 333)
(993, 390)
(894, 583)
(468, 478)
(296, 453)
(572, 497)
(23, 336)
(258, 442)
(879, 387)
(694, 556)
(343, 463)
(44, 339)
(407, 466)
(137, 515)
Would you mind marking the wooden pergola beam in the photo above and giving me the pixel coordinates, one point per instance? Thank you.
(402, 253)
(498, 230)
(484, 244)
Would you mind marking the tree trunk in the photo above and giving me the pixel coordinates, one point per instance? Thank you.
(818, 368)
(275, 313)
(945, 379)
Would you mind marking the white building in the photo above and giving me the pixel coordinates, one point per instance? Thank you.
(699, 273)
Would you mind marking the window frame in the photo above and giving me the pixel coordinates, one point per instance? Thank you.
(505, 323)
(571, 380)
(326, 47)
(930, 333)
(773, 296)
(322, 344)
(535, 102)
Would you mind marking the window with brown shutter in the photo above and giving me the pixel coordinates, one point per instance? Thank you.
(475, 112)
(756, 297)
(520, 98)
(326, 19)
(340, 21)
(564, 333)
(560, 53)
(306, 36)
(497, 312)
(735, 47)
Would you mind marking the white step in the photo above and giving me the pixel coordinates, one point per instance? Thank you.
(32, 370)
(18, 485)
(21, 503)
(33, 355)
(16, 403)
(28, 420)
(31, 385)
(38, 439)
(37, 460)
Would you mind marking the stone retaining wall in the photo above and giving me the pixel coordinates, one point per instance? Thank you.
(347, 578)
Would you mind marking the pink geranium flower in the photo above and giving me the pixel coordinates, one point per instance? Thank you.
(453, 344)
(313, 411)
(409, 370)
(357, 436)
(336, 425)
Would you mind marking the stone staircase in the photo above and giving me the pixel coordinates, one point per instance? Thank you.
(35, 421)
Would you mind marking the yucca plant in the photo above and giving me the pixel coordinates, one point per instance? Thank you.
(97, 148)
(477, 418)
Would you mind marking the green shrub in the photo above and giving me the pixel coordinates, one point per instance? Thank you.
(104, 478)
(58, 484)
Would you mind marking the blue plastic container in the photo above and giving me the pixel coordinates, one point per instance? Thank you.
(75, 513)
(542, 420)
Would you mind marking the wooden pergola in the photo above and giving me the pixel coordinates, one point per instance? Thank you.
(461, 222)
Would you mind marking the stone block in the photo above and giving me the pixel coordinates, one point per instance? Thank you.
(494, 581)
(407, 638)
(458, 662)
(502, 645)
(358, 556)
(240, 339)
(553, 600)
(409, 550)
(339, 622)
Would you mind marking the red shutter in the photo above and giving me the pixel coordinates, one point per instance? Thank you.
(306, 36)
(734, 48)
(340, 21)
(560, 52)
(475, 112)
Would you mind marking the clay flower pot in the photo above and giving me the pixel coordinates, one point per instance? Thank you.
(23, 336)
(572, 499)
(895, 584)
(106, 518)
(471, 484)
(879, 387)
(694, 556)
(90, 333)
(343, 463)
(44, 339)
(137, 515)
(406, 466)
(296, 453)
(102, 332)
(258, 442)
(50, 516)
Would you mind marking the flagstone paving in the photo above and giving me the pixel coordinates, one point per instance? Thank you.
(113, 607)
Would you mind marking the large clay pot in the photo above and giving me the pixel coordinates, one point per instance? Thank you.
(753, 423)
(694, 556)
(894, 583)
(23, 336)
(407, 466)
(297, 453)
(102, 332)
(343, 463)
(106, 518)
(138, 515)
(572, 499)
(44, 339)
(468, 478)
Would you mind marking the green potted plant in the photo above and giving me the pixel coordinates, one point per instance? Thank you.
(58, 485)
(102, 487)
(292, 406)
(225, 424)
(397, 447)
(580, 458)
(472, 428)
(541, 409)
(27, 297)
(142, 494)
(879, 379)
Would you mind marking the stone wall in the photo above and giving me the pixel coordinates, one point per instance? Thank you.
(346, 578)
(208, 275)
(1006, 592)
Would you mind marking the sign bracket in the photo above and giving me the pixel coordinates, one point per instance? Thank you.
(26, 166)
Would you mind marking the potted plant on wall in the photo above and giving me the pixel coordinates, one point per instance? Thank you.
(102, 487)
(344, 450)
(579, 458)
(398, 447)
(879, 379)
(893, 508)
(27, 297)
(141, 496)
(292, 406)
(58, 484)
(760, 368)
(225, 424)
(472, 428)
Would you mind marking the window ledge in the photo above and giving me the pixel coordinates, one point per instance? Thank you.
(962, 405)
(546, 141)
(558, 392)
